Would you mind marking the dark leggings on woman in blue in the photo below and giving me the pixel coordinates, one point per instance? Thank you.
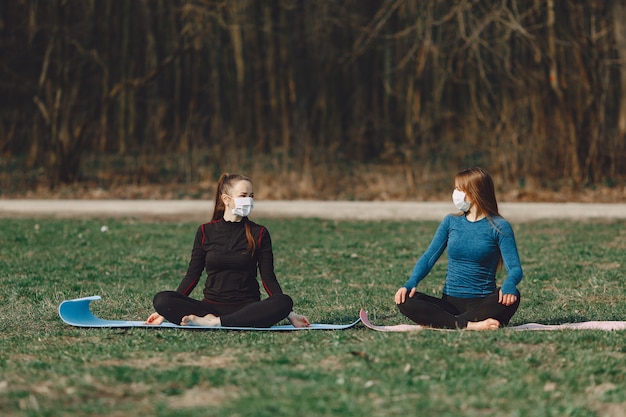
(453, 312)
(264, 313)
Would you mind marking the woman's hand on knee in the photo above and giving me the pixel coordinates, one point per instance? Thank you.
(400, 296)
(155, 319)
(507, 299)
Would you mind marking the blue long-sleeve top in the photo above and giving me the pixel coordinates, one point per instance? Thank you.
(474, 250)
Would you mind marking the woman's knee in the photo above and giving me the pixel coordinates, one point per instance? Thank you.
(288, 302)
(405, 308)
(162, 300)
(283, 301)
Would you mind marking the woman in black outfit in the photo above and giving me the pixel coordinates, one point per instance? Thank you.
(230, 248)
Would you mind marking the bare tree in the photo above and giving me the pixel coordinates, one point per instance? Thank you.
(534, 91)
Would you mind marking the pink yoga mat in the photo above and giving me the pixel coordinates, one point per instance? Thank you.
(587, 325)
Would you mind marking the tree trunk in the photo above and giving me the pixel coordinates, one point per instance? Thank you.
(619, 22)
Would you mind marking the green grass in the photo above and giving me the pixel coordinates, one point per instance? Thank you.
(573, 272)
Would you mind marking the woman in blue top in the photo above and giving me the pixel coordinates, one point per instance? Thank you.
(479, 241)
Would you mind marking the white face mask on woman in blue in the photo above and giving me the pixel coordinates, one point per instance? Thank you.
(458, 198)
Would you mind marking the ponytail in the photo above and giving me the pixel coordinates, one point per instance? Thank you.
(250, 238)
(218, 210)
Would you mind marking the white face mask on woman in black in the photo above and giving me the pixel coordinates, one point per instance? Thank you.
(243, 206)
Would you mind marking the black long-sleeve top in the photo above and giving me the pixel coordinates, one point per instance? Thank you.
(221, 248)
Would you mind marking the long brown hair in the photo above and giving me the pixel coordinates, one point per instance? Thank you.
(478, 184)
(224, 186)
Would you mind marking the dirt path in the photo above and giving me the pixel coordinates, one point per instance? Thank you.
(340, 210)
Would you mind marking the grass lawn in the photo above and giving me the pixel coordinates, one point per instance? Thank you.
(573, 272)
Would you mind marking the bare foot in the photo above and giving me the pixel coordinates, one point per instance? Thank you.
(208, 320)
(489, 324)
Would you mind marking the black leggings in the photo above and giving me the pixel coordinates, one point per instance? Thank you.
(452, 312)
(265, 313)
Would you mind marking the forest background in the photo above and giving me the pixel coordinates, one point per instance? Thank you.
(350, 99)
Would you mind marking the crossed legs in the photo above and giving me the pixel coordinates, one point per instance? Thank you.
(458, 313)
(180, 309)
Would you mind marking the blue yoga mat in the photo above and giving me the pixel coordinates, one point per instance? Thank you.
(78, 313)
